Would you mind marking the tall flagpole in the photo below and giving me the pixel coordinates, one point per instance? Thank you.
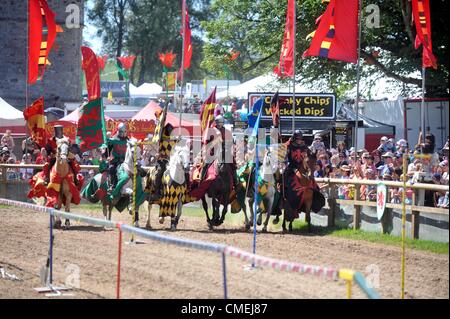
(293, 78)
(422, 107)
(183, 23)
(358, 77)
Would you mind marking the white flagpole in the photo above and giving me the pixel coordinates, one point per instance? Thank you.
(293, 78)
(183, 23)
(358, 78)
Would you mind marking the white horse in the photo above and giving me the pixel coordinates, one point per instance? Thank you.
(266, 190)
(174, 185)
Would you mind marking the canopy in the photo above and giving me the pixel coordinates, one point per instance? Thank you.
(10, 116)
(75, 115)
(145, 90)
(263, 83)
(148, 113)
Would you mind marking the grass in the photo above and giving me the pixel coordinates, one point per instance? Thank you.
(373, 237)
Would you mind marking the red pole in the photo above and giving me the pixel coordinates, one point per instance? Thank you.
(119, 257)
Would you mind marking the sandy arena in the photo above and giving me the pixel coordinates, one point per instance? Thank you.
(157, 270)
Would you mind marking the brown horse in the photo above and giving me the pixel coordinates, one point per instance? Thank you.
(300, 193)
(62, 170)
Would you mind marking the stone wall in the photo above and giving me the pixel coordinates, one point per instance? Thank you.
(62, 78)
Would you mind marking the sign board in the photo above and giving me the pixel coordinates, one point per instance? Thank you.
(381, 200)
(240, 124)
(308, 106)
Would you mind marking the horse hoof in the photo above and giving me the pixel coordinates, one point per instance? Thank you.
(148, 226)
(210, 226)
(276, 221)
(247, 227)
(67, 224)
(264, 230)
(284, 230)
(136, 224)
(58, 224)
(173, 228)
(161, 220)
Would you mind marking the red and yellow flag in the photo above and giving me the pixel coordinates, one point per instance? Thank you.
(207, 111)
(187, 41)
(285, 67)
(336, 37)
(41, 35)
(421, 14)
(34, 115)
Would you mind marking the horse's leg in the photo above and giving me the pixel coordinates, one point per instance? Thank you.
(268, 204)
(148, 225)
(68, 196)
(225, 209)
(250, 206)
(247, 222)
(205, 208)
(308, 204)
(216, 213)
(175, 219)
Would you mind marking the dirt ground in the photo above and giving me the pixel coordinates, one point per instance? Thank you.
(157, 270)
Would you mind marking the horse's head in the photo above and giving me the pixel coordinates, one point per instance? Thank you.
(132, 147)
(63, 148)
(179, 164)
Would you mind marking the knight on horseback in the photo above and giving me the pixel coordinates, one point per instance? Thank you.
(117, 147)
(297, 153)
(224, 155)
(51, 148)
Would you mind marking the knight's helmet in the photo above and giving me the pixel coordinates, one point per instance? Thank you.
(297, 134)
(122, 129)
(219, 120)
(59, 131)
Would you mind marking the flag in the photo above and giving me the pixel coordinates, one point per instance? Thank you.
(91, 131)
(285, 67)
(187, 40)
(167, 59)
(102, 61)
(127, 61)
(421, 14)
(275, 110)
(207, 111)
(41, 37)
(336, 37)
(92, 73)
(255, 116)
(34, 115)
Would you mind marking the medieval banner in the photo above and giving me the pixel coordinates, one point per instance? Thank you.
(91, 132)
(92, 72)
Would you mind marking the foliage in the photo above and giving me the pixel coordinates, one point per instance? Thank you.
(255, 28)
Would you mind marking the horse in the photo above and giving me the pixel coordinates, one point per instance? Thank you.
(122, 196)
(61, 178)
(301, 193)
(266, 191)
(219, 191)
(174, 184)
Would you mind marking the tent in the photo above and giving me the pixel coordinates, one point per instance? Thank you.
(9, 115)
(148, 114)
(263, 83)
(145, 90)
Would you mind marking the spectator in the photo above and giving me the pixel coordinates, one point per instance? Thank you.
(388, 167)
(7, 140)
(26, 173)
(342, 148)
(383, 148)
(317, 144)
(85, 160)
(318, 170)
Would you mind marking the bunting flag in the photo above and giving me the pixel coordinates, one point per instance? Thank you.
(336, 37)
(92, 73)
(421, 14)
(41, 37)
(275, 110)
(127, 61)
(255, 116)
(207, 111)
(102, 62)
(167, 59)
(187, 40)
(91, 133)
(121, 70)
(34, 115)
(285, 67)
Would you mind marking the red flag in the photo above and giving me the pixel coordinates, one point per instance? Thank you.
(41, 37)
(285, 67)
(187, 41)
(421, 14)
(34, 115)
(102, 61)
(207, 111)
(336, 37)
(127, 61)
(92, 73)
(167, 59)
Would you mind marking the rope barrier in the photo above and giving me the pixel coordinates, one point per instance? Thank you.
(318, 271)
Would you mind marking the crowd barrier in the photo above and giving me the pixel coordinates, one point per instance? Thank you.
(349, 276)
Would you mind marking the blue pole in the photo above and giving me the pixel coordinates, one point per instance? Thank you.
(224, 269)
(255, 196)
(51, 248)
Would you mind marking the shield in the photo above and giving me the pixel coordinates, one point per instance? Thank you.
(381, 200)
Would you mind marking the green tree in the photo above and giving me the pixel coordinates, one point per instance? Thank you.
(256, 27)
